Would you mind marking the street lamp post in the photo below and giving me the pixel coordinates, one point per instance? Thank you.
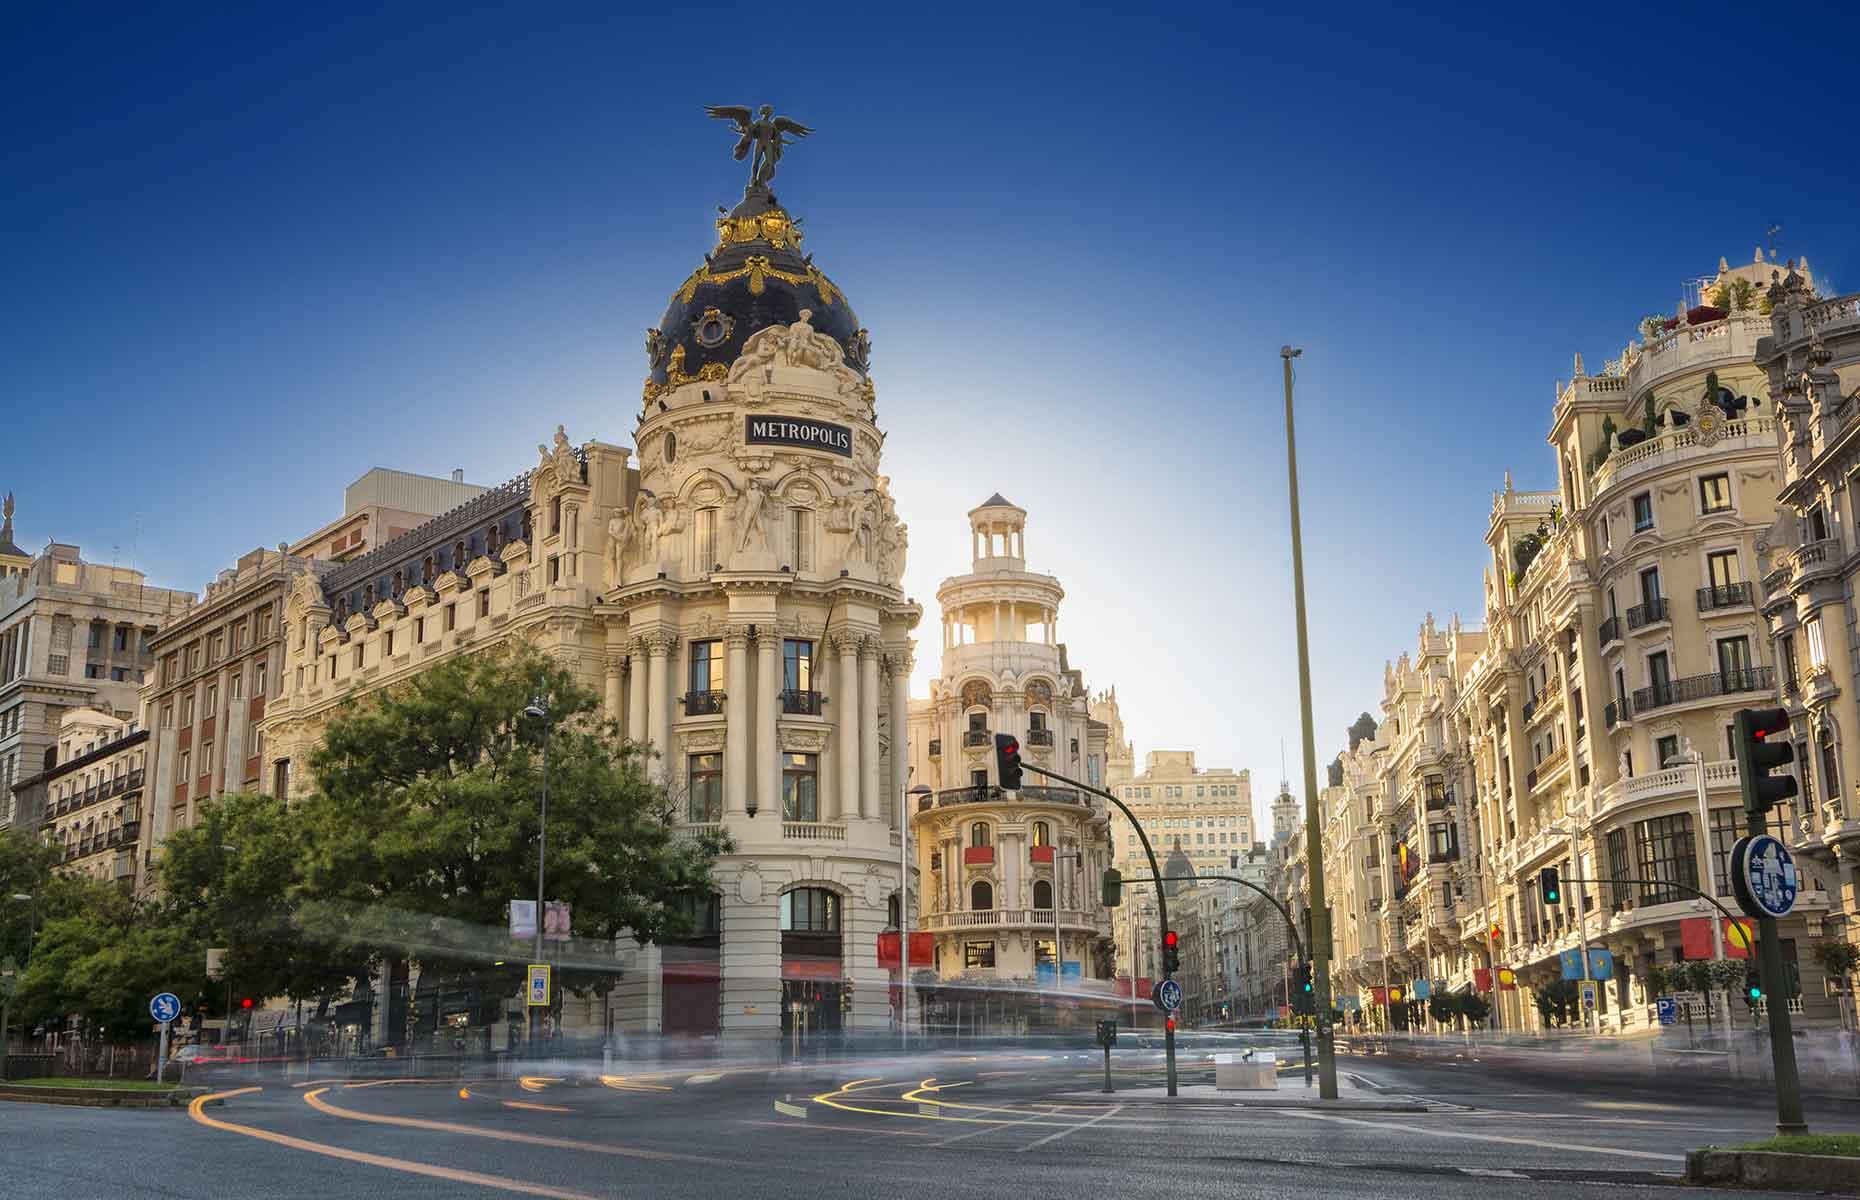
(1319, 949)
(9, 974)
(226, 1034)
(904, 915)
(539, 710)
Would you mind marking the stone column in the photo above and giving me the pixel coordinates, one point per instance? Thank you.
(659, 700)
(900, 735)
(846, 728)
(736, 714)
(768, 713)
(611, 707)
(636, 690)
(868, 729)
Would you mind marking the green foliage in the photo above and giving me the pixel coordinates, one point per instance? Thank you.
(27, 868)
(1475, 1008)
(1734, 295)
(1838, 959)
(1443, 1006)
(1652, 326)
(103, 960)
(1832, 1145)
(1607, 446)
(428, 804)
(1559, 1002)
(1525, 549)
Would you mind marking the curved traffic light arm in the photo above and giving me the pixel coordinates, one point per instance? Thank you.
(1711, 900)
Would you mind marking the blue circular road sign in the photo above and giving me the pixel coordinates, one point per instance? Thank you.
(1763, 876)
(1169, 995)
(165, 1007)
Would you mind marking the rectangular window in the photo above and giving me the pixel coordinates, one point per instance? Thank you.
(419, 630)
(1734, 665)
(235, 686)
(555, 568)
(1666, 855)
(1722, 570)
(706, 538)
(452, 619)
(1643, 512)
(978, 954)
(1727, 825)
(358, 657)
(1715, 493)
(213, 699)
(707, 673)
(1650, 588)
(122, 638)
(387, 650)
(1817, 651)
(1788, 681)
(1817, 524)
(1666, 750)
(706, 802)
(187, 709)
(484, 603)
(797, 665)
(801, 539)
(800, 787)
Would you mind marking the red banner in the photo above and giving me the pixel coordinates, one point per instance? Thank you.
(1144, 984)
(1482, 979)
(1695, 938)
(1379, 995)
(923, 950)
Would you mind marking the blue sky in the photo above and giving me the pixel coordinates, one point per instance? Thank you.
(247, 257)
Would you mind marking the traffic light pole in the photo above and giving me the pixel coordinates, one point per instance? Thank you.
(1162, 896)
(1314, 833)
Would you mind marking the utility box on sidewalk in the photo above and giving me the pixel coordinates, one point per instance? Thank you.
(1252, 1071)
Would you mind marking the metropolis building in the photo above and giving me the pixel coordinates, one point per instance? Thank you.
(732, 594)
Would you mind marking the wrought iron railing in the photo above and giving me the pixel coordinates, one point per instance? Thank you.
(802, 703)
(1702, 687)
(703, 704)
(1652, 612)
(1723, 595)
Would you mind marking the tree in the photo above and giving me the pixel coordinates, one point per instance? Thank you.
(427, 810)
(1558, 1002)
(1838, 959)
(1475, 1008)
(234, 879)
(102, 961)
(1443, 1006)
(28, 867)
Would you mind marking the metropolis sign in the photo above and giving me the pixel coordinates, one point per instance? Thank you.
(798, 431)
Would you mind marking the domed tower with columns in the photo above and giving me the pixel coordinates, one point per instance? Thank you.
(998, 866)
(756, 629)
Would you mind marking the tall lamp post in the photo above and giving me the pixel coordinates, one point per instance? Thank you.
(226, 1034)
(904, 914)
(1319, 950)
(538, 709)
(9, 974)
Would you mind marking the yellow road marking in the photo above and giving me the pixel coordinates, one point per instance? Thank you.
(450, 1174)
(621, 1083)
(536, 1083)
(525, 1104)
(315, 1100)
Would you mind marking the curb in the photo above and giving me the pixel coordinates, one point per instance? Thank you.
(100, 1097)
(1778, 1172)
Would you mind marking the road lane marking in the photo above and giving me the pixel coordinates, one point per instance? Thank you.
(450, 1174)
(711, 1078)
(790, 1110)
(531, 1107)
(821, 1127)
(1053, 1137)
(990, 1128)
(1589, 1148)
(315, 1100)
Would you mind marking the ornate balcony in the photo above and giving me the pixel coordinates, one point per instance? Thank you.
(800, 703)
(704, 704)
(1703, 687)
(1724, 595)
(1609, 631)
(814, 831)
(936, 747)
(1052, 795)
(1651, 613)
(976, 737)
(1040, 737)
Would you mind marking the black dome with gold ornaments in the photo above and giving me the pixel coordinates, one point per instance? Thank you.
(755, 278)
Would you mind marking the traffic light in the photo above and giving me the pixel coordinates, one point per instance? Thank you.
(1113, 889)
(246, 1003)
(1169, 1024)
(1303, 1000)
(1172, 955)
(1761, 735)
(1007, 761)
(1753, 983)
(1550, 886)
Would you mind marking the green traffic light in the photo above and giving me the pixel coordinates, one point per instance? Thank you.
(1756, 993)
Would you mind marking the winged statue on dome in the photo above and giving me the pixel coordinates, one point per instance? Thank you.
(764, 133)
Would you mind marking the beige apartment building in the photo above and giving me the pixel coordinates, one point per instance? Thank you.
(1007, 875)
(1586, 727)
(1810, 357)
(93, 796)
(381, 506)
(73, 634)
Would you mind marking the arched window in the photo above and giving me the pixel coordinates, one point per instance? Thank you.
(555, 514)
(1042, 836)
(978, 834)
(981, 896)
(810, 910)
(1043, 894)
(368, 596)
(491, 538)
(458, 557)
(399, 584)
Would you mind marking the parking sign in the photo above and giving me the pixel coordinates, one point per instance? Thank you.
(539, 985)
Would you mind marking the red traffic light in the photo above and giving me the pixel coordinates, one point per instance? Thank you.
(1169, 1024)
(246, 1003)
(1169, 938)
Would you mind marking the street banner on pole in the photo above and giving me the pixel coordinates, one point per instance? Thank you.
(1482, 979)
(523, 920)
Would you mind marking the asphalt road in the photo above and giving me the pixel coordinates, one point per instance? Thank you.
(1026, 1125)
